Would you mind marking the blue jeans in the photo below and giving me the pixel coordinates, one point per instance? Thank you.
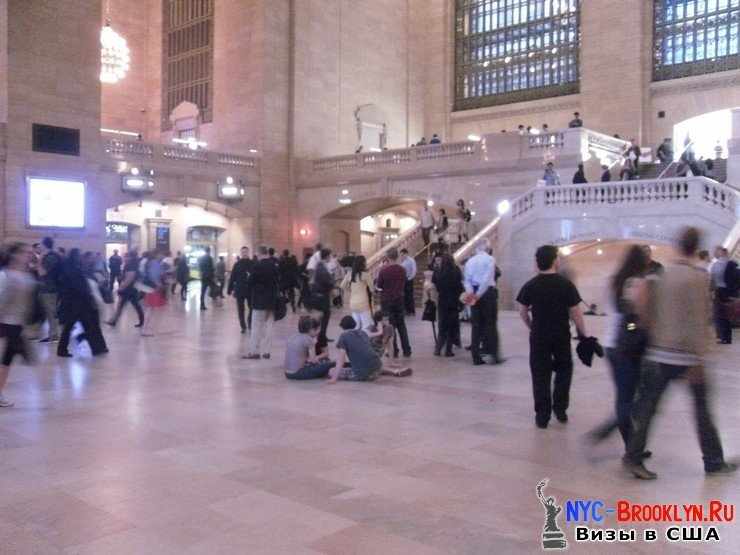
(656, 378)
(312, 371)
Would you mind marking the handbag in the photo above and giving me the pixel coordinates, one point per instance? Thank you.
(632, 338)
(430, 311)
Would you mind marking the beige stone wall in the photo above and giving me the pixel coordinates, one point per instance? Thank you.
(53, 78)
(617, 94)
(350, 53)
(125, 105)
(3, 61)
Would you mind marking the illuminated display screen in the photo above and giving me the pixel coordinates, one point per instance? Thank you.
(56, 203)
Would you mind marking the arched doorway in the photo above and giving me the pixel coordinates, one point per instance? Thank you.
(709, 134)
(370, 224)
(183, 224)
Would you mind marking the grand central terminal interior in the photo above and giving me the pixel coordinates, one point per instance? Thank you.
(369, 276)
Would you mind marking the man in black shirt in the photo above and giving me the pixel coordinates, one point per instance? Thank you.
(115, 263)
(239, 287)
(127, 291)
(321, 288)
(207, 275)
(552, 301)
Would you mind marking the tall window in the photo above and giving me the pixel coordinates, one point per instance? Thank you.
(188, 56)
(513, 50)
(695, 36)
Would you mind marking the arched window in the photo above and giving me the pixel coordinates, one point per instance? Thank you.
(187, 57)
(692, 37)
(514, 50)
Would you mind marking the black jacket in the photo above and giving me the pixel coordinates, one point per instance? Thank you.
(75, 299)
(263, 285)
(205, 265)
(288, 268)
(732, 278)
(579, 177)
(449, 287)
(239, 280)
(323, 282)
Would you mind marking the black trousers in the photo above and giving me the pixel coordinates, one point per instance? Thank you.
(721, 322)
(408, 297)
(426, 233)
(484, 319)
(449, 326)
(130, 296)
(183, 290)
(205, 285)
(655, 380)
(395, 313)
(91, 332)
(289, 292)
(114, 277)
(241, 303)
(550, 355)
(322, 303)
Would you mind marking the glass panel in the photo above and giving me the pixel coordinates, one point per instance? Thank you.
(515, 45)
(187, 59)
(692, 37)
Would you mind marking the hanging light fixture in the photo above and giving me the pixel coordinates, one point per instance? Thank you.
(114, 52)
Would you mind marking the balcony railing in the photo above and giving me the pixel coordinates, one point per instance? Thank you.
(547, 140)
(724, 200)
(119, 149)
(444, 151)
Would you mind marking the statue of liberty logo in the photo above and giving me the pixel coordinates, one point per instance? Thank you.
(552, 536)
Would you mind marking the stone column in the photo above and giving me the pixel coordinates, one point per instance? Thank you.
(733, 151)
(615, 63)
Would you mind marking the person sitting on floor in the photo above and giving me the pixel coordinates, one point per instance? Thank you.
(300, 363)
(357, 361)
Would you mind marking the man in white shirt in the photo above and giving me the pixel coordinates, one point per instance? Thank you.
(480, 281)
(314, 260)
(723, 272)
(427, 224)
(409, 266)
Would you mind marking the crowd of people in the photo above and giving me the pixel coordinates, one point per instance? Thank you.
(657, 333)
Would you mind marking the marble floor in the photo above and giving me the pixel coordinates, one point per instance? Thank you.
(174, 444)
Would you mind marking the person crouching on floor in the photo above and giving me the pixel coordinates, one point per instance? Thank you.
(300, 362)
(357, 361)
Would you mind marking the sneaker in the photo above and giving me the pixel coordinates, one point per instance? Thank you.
(4, 403)
(405, 373)
(562, 417)
(266, 356)
(541, 424)
(251, 357)
(723, 469)
(638, 470)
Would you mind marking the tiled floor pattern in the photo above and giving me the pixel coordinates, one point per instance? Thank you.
(174, 444)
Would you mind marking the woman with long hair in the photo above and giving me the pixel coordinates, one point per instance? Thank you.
(628, 299)
(359, 284)
(78, 303)
(448, 281)
(17, 288)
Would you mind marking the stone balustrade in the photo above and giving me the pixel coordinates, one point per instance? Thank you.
(397, 156)
(656, 198)
(121, 149)
(494, 153)
(546, 140)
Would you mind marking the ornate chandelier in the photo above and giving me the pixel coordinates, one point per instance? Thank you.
(114, 53)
